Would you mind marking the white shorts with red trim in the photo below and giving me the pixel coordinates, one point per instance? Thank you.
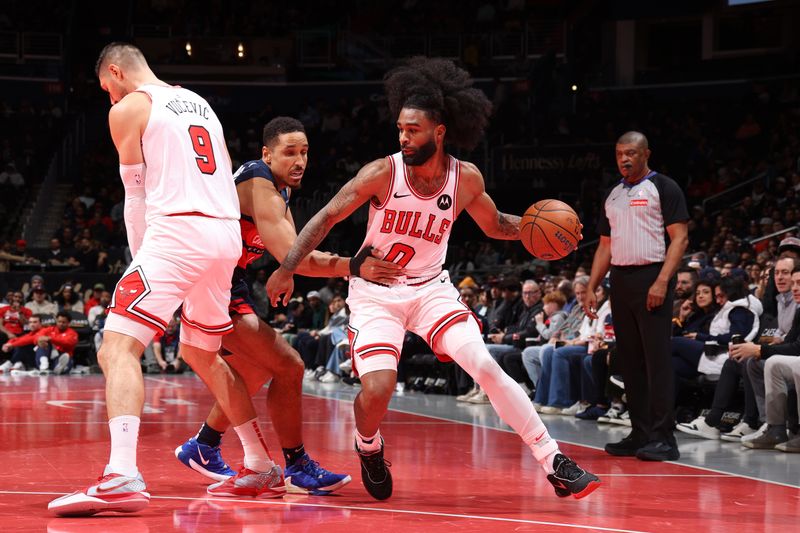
(380, 316)
(183, 260)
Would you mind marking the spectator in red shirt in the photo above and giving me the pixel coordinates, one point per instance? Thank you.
(22, 347)
(13, 316)
(94, 298)
(56, 345)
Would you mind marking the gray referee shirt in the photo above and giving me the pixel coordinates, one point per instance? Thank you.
(635, 217)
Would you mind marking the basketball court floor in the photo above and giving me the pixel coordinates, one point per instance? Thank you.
(456, 468)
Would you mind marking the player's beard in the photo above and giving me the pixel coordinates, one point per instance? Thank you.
(421, 156)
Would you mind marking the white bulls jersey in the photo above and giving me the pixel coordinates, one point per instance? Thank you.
(412, 228)
(188, 169)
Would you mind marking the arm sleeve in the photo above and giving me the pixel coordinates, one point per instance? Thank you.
(133, 177)
(23, 340)
(786, 348)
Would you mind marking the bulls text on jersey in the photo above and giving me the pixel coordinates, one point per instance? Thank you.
(408, 223)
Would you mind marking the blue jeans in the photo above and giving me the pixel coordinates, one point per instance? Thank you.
(24, 355)
(533, 358)
(498, 350)
(337, 354)
(560, 376)
(52, 356)
(589, 390)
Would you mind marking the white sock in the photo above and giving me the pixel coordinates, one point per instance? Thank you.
(463, 343)
(256, 454)
(368, 444)
(124, 437)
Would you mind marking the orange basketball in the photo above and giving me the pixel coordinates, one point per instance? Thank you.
(550, 229)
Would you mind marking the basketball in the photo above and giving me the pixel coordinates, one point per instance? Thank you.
(550, 229)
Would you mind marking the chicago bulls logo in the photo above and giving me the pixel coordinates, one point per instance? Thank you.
(444, 202)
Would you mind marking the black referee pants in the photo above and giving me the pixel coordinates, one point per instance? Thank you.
(643, 351)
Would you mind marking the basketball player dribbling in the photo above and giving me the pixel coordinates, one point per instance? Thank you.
(415, 196)
(254, 349)
(181, 213)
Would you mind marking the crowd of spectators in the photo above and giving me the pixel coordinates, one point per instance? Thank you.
(702, 145)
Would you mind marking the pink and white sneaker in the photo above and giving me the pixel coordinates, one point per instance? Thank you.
(112, 492)
(250, 484)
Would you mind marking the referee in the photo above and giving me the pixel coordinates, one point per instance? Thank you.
(639, 213)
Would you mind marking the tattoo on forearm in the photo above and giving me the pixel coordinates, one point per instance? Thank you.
(509, 225)
(308, 239)
(318, 227)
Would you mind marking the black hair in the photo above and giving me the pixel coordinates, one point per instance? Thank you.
(278, 126)
(115, 51)
(65, 315)
(734, 288)
(443, 91)
(689, 270)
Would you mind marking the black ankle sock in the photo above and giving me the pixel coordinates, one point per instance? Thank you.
(293, 454)
(209, 436)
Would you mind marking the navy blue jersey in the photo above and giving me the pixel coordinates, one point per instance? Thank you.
(252, 245)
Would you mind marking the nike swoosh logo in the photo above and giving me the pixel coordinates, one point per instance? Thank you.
(100, 490)
(202, 459)
(401, 195)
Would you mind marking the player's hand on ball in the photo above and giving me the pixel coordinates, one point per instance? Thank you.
(280, 283)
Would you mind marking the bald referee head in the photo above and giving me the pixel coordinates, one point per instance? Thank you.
(633, 152)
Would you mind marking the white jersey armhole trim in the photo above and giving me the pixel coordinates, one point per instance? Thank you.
(391, 186)
(455, 187)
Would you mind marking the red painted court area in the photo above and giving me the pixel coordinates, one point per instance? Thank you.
(448, 476)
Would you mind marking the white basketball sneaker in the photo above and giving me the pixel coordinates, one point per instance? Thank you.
(111, 492)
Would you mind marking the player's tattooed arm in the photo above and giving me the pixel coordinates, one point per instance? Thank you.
(370, 181)
(508, 225)
(480, 206)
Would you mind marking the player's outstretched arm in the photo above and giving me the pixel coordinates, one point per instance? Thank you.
(371, 181)
(481, 207)
(277, 231)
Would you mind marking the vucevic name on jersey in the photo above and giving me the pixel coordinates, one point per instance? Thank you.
(252, 245)
(184, 149)
(412, 228)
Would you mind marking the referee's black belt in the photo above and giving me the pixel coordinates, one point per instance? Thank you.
(636, 267)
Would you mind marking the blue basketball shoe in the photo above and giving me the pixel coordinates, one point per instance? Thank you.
(204, 459)
(305, 476)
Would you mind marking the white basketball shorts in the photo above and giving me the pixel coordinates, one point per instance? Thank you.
(184, 260)
(380, 316)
